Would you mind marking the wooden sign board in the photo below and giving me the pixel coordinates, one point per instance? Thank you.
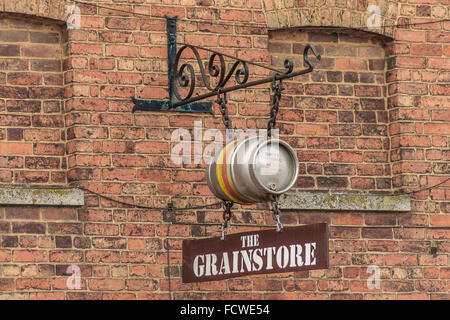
(259, 252)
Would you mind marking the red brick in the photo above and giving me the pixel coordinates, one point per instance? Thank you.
(121, 174)
(267, 285)
(187, 176)
(426, 49)
(151, 93)
(235, 41)
(235, 15)
(85, 49)
(437, 128)
(89, 77)
(106, 284)
(9, 50)
(411, 88)
(121, 23)
(14, 92)
(97, 256)
(312, 129)
(367, 91)
(129, 161)
(5, 255)
(325, 143)
(149, 147)
(411, 36)
(350, 64)
(161, 11)
(138, 257)
(320, 116)
(442, 37)
(439, 63)
(410, 62)
(24, 78)
(34, 284)
(142, 284)
(29, 256)
(101, 229)
(122, 51)
(205, 40)
(7, 284)
(433, 260)
(124, 78)
(346, 156)
(117, 92)
(320, 89)
(65, 256)
(16, 148)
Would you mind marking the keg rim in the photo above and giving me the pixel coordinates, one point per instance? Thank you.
(233, 159)
(293, 155)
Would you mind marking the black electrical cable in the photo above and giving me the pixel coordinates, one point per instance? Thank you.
(423, 189)
(159, 17)
(148, 207)
(400, 25)
(220, 202)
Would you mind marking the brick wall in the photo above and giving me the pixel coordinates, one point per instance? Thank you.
(372, 117)
(32, 129)
(339, 121)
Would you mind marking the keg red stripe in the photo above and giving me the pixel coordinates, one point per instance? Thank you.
(225, 174)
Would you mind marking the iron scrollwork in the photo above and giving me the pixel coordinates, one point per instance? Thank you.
(215, 71)
(183, 75)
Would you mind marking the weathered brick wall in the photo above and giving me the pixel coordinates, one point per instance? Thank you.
(372, 117)
(32, 145)
(338, 117)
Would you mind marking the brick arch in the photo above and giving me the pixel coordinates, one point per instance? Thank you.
(32, 131)
(51, 9)
(348, 14)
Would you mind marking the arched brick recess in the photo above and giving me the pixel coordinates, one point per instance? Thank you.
(53, 9)
(281, 14)
(32, 126)
(340, 130)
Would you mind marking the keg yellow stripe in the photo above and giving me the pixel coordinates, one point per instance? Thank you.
(220, 163)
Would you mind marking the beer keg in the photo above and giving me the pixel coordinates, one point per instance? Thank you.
(252, 170)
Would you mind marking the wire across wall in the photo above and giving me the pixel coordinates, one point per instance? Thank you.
(251, 25)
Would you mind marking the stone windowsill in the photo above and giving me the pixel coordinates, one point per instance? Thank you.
(344, 202)
(41, 197)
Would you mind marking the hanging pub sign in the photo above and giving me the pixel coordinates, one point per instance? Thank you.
(259, 252)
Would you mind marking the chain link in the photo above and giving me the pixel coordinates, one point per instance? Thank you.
(226, 217)
(276, 88)
(276, 213)
(222, 102)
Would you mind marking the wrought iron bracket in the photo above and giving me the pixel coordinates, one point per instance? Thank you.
(164, 105)
(218, 72)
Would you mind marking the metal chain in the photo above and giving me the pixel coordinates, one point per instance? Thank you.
(222, 102)
(276, 213)
(276, 88)
(226, 217)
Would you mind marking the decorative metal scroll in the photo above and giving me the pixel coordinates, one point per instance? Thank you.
(183, 75)
(166, 105)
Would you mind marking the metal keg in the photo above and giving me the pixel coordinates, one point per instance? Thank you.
(252, 170)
